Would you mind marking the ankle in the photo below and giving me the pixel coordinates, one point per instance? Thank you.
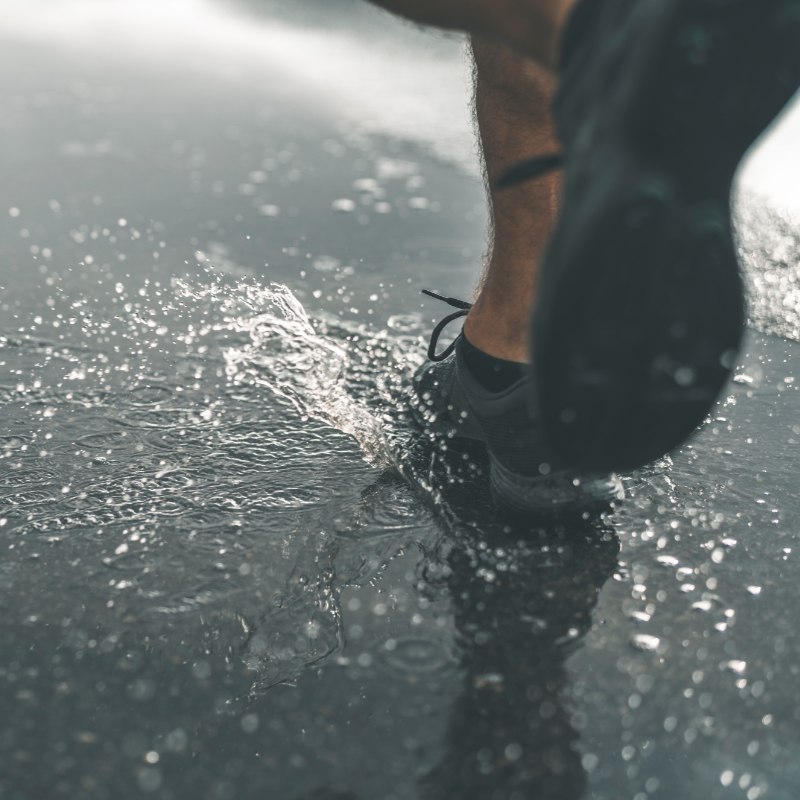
(497, 335)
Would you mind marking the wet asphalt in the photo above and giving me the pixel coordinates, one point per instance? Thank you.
(214, 584)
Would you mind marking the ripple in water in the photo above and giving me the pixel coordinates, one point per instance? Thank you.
(416, 656)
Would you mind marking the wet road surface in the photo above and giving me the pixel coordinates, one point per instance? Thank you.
(230, 569)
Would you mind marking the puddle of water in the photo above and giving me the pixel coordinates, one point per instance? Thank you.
(207, 486)
(215, 582)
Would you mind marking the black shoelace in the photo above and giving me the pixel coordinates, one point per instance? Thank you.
(463, 309)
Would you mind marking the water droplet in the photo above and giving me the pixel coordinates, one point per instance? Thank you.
(368, 186)
(250, 723)
(643, 641)
(590, 762)
(419, 203)
(736, 666)
(726, 778)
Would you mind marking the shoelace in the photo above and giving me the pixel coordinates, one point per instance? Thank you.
(463, 309)
(530, 169)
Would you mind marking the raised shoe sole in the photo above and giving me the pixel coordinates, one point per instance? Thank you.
(641, 311)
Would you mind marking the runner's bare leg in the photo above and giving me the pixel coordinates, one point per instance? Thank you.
(513, 100)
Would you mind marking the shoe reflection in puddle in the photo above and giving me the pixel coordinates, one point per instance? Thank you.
(523, 597)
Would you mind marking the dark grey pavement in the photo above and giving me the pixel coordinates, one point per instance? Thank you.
(214, 582)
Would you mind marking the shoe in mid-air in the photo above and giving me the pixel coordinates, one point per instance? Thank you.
(640, 310)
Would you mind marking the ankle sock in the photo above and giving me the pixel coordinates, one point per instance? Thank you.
(493, 374)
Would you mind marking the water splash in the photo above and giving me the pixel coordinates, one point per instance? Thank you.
(204, 455)
(286, 354)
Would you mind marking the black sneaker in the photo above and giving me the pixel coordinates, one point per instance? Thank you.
(640, 312)
(449, 404)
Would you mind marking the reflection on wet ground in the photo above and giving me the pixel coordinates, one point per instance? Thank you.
(232, 569)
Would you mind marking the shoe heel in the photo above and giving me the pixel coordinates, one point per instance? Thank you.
(548, 496)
